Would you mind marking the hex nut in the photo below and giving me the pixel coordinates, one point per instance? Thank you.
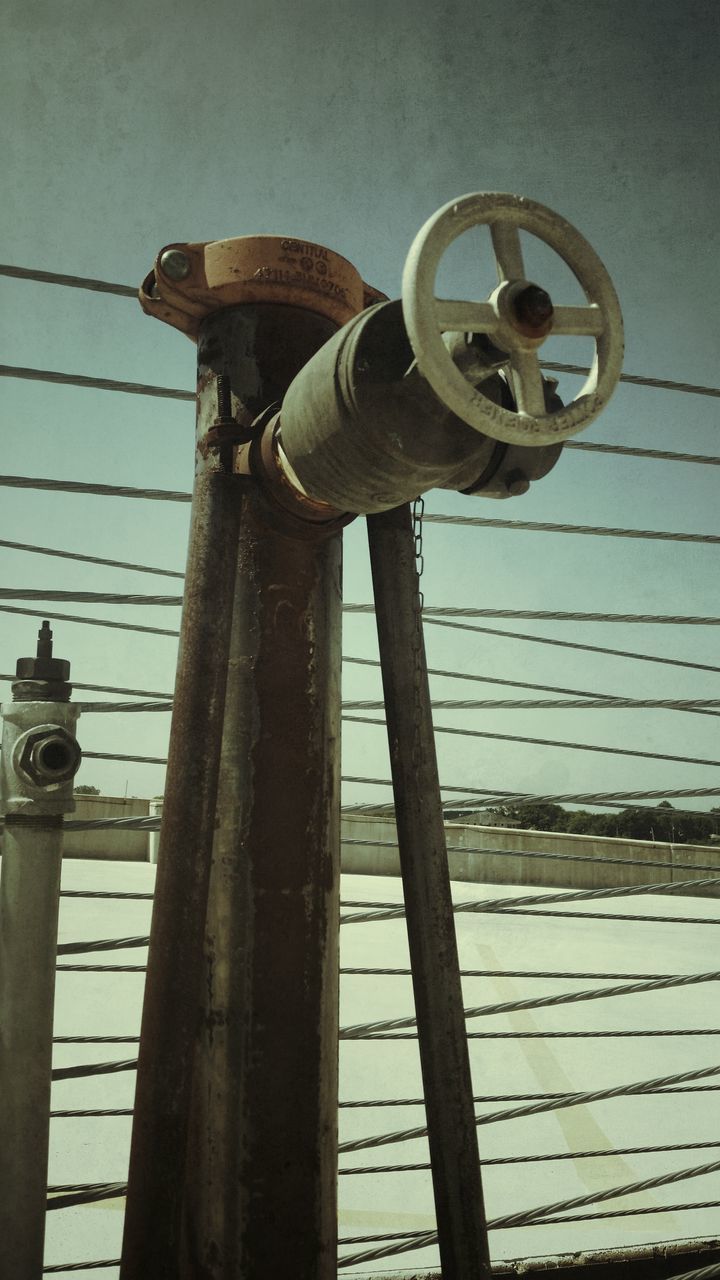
(49, 756)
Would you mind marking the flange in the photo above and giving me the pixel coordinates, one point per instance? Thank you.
(190, 281)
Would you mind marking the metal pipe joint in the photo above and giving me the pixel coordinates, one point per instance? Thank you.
(40, 757)
(361, 429)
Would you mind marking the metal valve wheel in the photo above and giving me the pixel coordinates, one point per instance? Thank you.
(517, 317)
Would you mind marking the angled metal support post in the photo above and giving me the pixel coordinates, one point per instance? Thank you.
(261, 1187)
(444, 1059)
(173, 995)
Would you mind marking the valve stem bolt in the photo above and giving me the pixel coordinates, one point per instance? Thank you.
(533, 307)
(175, 264)
(516, 483)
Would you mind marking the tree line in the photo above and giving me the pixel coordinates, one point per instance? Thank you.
(664, 823)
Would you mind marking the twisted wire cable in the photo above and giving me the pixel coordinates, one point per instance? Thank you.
(154, 824)
(704, 1273)
(550, 742)
(89, 622)
(93, 708)
(551, 615)
(102, 1113)
(661, 455)
(536, 1159)
(569, 644)
(436, 622)
(101, 968)
(98, 1113)
(76, 555)
(84, 1193)
(128, 291)
(663, 1033)
(541, 1002)
(638, 380)
(95, 384)
(393, 911)
(532, 1217)
(96, 1039)
(93, 1069)
(101, 944)
(363, 1030)
(71, 282)
(604, 702)
(537, 1108)
(697, 705)
(597, 531)
(466, 675)
(99, 490)
(81, 1266)
(429, 611)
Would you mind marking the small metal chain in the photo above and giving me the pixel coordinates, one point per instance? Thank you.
(418, 510)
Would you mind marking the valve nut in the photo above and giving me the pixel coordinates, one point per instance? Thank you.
(175, 264)
(47, 756)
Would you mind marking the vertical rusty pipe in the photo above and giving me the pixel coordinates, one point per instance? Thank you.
(29, 899)
(262, 1201)
(443, 1047)
(173, 995)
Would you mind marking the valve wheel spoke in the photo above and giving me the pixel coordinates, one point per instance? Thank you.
(579, 321)
(528, 383)
(465, 317)
(508, 251)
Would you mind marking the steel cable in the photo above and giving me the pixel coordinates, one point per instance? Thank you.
(99, 490)
(568, 644)
(638, 380)
(704, 1273)
(84, 1193)
(90, 622)
(437, 622)
(552, 615)
(598, 531)
(536, 1159)
(76, 555)
(537, 1108)
(392, 911)
(541, 1002)
(550, 742)
(661, 455)
(101, 944)
(154, 824)
(72, 282)
(103, 1113)
(533, 1217)
(93, 1069)
(81, 1266)
(129, 291)
(95, 384)
(604, 702)
(429, 611)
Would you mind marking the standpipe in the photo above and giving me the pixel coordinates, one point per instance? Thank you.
(39, 760)
(318, 399)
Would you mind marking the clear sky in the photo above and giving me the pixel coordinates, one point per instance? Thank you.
(126, 126)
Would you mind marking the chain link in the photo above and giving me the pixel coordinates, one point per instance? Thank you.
(418, 510)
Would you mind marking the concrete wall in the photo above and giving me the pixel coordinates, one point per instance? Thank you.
(484, 855)
(470, 856)
(121, 844)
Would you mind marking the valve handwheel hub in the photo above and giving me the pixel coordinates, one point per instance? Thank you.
(518, 317)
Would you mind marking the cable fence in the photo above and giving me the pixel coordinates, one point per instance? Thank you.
(462, 623)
